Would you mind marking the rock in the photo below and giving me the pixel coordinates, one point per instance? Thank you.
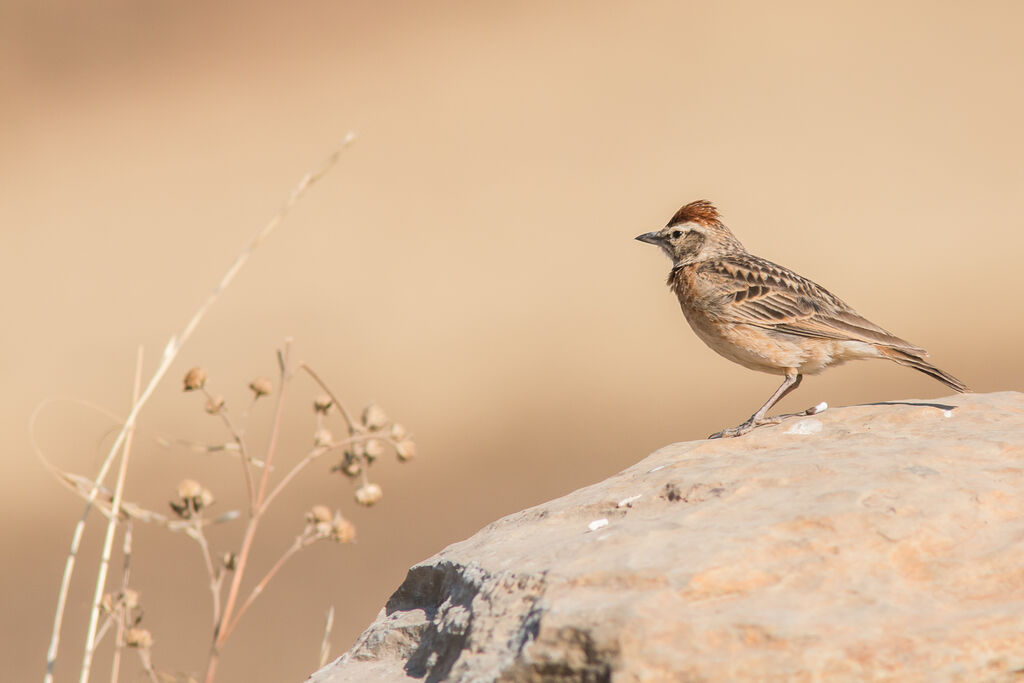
(876, 542)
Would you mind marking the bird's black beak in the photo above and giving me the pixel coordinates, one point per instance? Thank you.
(650, 238)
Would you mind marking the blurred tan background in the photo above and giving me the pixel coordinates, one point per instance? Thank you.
(470, 264)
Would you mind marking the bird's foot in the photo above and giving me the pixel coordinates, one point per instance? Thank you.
(754, 422)
(749, 425)
(738, 430)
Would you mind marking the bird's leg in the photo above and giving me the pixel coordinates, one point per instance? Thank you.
(791, 382)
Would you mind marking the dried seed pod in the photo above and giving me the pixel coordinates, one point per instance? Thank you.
(230, 561)
(323, 438)
(342, 530)
(214, 404)
(107, 603)
(374, 417)
(398, 432)
(350, 466)
(203, 500)
(261, 386)
(192, 497)
(373, 450)
(319, 519)
(405, 450)
(319, 513)
(130, 598)
(189, 488)
(322, 403)
(195, 379)
(369, 494)
(138, 637)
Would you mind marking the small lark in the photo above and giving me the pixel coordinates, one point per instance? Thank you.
(766, 317)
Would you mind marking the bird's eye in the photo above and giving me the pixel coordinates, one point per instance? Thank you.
(676, 234)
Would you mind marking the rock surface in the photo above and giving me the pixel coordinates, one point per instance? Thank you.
(876, 542)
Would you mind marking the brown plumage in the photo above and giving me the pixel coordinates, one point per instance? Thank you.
(764, 316)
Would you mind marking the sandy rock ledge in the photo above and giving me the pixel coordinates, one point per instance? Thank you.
(876, 542)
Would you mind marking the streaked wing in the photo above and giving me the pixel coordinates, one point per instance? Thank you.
(754, 291)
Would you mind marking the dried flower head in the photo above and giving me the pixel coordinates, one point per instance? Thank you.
(204, 500)
(322, 403)
(373, 450)
(319, 519)
(323, 437)
(369, 494)
(130, 598)
(214, 404)
(374, 417)
(189, 488)
(405, 450)
(138, 637)
(195, 379)
(319, 513)
(398, 432)
(192, 497)
(342, 530)
(261, 386)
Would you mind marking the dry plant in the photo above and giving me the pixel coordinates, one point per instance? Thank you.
(117, 611)
(364, 441)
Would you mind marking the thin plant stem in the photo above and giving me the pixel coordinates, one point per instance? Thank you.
(299, 466)
(147, 664)
(248, 408)
(76, 540)
(126, 551)
(62, 596)
(196, 532)
(243, 454)
(171, 352)
(242, 558)
(363, 476)
(325, 644)
(275, 432)
(220, 632)
(108, 540)
(295, 547)
(352, 428)
(107, 624)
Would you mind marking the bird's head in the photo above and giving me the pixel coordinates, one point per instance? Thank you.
(694, 233)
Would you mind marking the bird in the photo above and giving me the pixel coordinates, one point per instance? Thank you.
(765, 316)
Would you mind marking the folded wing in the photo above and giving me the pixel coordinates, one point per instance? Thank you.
(754, 291)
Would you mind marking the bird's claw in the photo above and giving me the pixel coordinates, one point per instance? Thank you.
(752, 424)
(739, 430)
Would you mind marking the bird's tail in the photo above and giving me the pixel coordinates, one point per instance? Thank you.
(912, 360)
